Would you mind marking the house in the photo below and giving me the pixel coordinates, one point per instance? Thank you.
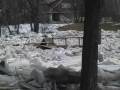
(59, 11)
(66, 10)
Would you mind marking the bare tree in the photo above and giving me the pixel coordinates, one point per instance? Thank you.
(90, 45)
(11, 14)
(78, 10)
(33, 9)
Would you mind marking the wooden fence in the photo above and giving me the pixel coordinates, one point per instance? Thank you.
(58, 42)
(64, 41)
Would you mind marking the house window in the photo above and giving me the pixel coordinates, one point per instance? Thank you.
(56, 17)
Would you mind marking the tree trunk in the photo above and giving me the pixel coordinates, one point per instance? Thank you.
(0, 31)
(34, 18)
(17, 27)
(36, 27)
(9, 30)
(90, 45)
(31, 26)
(35, 15)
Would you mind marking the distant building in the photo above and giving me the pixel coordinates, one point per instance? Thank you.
(62, 10)
(59, 11)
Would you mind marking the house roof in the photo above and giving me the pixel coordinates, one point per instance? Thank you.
(54, 3)
(49, 1)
